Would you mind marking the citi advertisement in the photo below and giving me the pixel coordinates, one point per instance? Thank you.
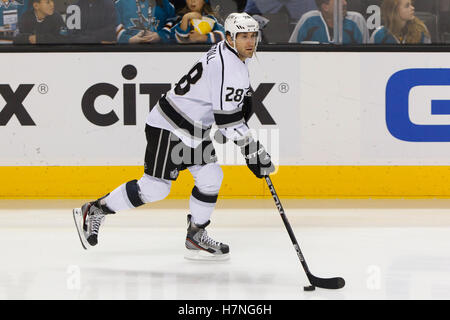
(312, 109)
(91, 108)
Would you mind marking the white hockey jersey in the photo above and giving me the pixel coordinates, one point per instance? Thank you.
(211, 92)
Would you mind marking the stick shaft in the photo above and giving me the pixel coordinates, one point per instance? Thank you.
(287, 224)
(329, 283)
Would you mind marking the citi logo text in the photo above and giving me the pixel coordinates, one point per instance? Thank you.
(15, 104)
(154, 91)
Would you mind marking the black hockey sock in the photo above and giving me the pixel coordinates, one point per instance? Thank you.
(133, 193)
(102, 205)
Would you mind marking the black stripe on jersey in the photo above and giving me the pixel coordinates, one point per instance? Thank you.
(227, 46)
(223, 76)
(228, 119)
(178, 120)
(203, 197)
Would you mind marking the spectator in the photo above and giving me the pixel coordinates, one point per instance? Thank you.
(444, 19)
(144, 24)
(179, 4)
(317, 25)
(198, 24)
(400, 24)
(294, 8)
(277, 18)
(240, 5)
(98, 22)
(10, 12)
(41, 24)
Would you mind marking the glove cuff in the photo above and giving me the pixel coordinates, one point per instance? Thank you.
(252, 150)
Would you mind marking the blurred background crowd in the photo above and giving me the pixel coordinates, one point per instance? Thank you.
(201, 21)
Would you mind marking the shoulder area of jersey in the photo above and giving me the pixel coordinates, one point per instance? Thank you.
(355, 16)
(213, 52)
(380, 31)
(313, 16)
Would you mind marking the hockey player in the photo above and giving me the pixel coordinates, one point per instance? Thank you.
(144, 21)
(317, 26)
(177, 133)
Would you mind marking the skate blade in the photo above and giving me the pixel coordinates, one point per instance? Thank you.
(200, 255)
(78, 219)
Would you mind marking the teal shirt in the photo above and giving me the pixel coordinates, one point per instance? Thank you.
(383, 36)
(312, 28)
(10, 13)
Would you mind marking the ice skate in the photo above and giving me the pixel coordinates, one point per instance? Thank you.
(88, 220)
(201, 247)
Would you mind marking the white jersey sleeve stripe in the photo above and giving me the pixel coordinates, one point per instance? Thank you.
(228, 111)
(223, 77)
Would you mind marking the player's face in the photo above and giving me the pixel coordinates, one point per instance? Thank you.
(405, 10)
(195, 5)
(246, 44)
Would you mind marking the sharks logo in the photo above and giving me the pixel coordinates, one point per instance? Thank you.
(10, 3)
(139, 23)
(143, 22)
(10, 11)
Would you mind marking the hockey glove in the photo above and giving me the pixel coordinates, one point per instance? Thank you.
(257, 159)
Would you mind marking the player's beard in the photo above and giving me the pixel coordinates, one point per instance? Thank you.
(250, 53)
(247, 53)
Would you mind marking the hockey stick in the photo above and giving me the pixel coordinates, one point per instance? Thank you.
(331, 283)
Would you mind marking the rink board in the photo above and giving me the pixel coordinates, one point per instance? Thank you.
(355, 124)
(290, 182)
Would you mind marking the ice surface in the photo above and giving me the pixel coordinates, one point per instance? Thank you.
(385, 249)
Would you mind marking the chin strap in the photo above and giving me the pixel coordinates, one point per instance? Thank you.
(234, 45)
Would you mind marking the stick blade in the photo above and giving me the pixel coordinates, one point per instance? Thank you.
(330, 283)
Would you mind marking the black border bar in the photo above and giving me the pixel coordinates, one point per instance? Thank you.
(6, 48)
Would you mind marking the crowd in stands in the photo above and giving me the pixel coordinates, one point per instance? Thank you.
(201, 21)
